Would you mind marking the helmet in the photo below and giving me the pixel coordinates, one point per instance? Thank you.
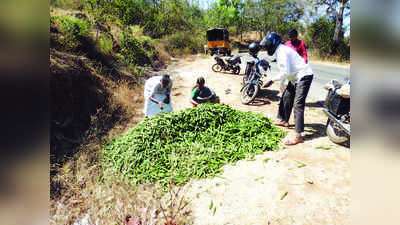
(271, 42)
(254, 48)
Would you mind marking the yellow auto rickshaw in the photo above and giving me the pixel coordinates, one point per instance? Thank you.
(218, 39)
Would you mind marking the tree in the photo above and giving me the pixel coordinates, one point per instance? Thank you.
(336, 9)
(266, 16)
(319, 35)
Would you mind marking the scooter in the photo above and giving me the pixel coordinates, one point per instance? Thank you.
(337, 108)
(233, 64)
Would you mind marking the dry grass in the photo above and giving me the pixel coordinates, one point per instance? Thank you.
(333, 59)
(109, 199)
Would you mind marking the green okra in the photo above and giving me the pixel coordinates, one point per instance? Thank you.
(205, 137)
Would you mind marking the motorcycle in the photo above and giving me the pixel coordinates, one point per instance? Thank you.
(233, 64)
(337, 108)
(252, 80)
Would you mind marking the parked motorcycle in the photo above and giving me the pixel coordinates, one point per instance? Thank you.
(232, 64)
(337, 108)
(252, 79)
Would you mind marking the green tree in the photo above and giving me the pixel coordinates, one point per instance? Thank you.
(336, 9)
(319, 35)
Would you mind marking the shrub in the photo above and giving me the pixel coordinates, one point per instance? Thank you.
(132, 49)
(319, 36)
(72, 30)
(104, 45)
(67, 4)
(189, 42)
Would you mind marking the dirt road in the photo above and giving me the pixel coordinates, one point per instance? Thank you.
(250, 192)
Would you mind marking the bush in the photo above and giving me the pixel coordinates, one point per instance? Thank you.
(72, 30)
(104, 45)
(132, 49)
(67, 4)
(74, 26)
(343, 50)
(319, 36)
(188, 42)
(285, 27)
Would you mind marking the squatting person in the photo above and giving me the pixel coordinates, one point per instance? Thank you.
(202, 94)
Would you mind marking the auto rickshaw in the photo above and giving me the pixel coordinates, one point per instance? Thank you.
(218, 39)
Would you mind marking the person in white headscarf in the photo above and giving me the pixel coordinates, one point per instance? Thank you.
(157, 94)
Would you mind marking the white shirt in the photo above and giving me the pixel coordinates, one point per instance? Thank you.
(290, 64)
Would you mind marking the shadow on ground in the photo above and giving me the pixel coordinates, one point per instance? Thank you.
(314, 130)
(264, 97)
(317, 104)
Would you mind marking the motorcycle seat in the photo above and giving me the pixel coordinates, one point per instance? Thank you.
(233, 59)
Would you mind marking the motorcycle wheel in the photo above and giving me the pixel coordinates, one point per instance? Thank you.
(236, 70)
(216, 68)
(335, 134)
(244, 97)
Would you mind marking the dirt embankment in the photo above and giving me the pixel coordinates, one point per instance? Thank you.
(315, 174)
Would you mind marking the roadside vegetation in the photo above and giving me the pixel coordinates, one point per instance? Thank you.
(100, 54)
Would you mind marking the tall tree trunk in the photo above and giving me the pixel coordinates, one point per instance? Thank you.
(241, 29)
(339, 21)
(338, 27)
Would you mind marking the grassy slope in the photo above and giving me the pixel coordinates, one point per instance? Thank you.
(94, 96)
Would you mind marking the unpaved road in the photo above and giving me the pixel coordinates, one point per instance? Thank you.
(250, 192)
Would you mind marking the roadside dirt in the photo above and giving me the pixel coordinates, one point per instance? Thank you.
(250, 192)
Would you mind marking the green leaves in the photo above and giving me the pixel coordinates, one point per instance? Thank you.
(192, 143)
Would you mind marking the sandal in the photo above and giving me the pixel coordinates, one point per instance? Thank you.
(282, 124)
(293, 142)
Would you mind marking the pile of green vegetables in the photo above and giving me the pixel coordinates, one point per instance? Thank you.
(192, 143)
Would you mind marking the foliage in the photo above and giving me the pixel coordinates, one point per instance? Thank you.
(319, 35)
(74, 26)
(285, 27)
(72, 30)
(132, 49)
(183, 23)
(105, 45)
(191, 143)
(185, 42)
(343, 50)
(67, 4)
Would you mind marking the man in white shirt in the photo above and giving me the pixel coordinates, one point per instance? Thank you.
(299, 74)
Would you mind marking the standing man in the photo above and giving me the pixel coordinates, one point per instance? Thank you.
(157, 91)
(299, 74)
(298, 45)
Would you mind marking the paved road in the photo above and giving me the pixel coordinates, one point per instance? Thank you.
(323, 74)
